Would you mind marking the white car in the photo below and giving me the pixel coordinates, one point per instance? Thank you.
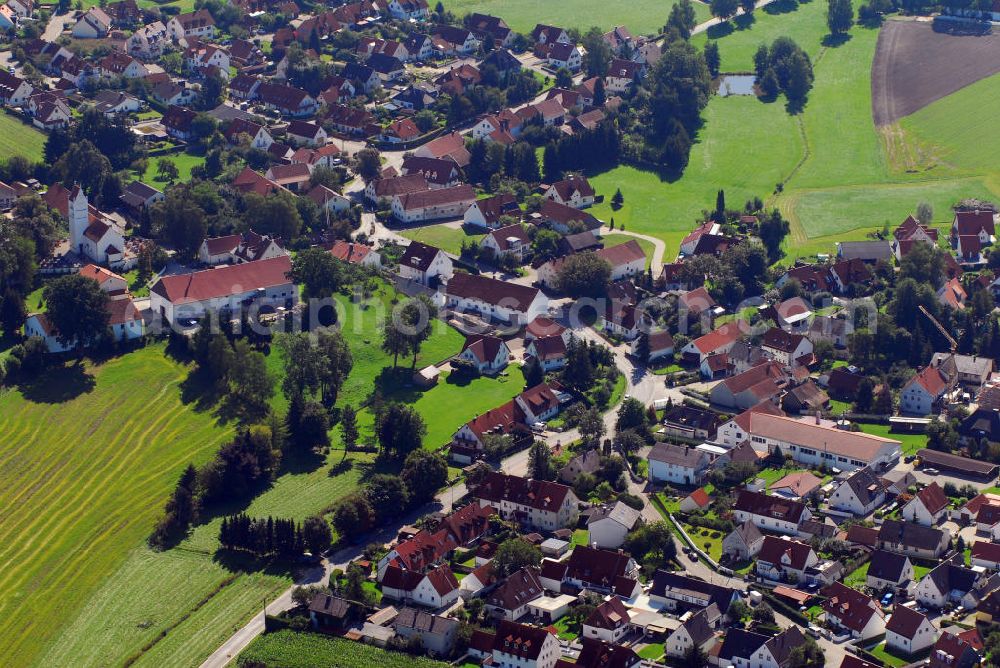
(538, 426)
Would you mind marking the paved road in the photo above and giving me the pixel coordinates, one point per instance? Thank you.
(702, 27)
(54, 27)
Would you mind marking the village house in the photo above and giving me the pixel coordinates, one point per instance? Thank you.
(787, 348)
(689, 422)
(548, 351)
(609, 525)
(304, 133)
(585, 462)
(517, 646)
(977, 223)
(970, 371)
(986, 555)
(622, 75)
(425, 264)
(928, 507)
(331, 613)
(796, 486)
(488, 354)
(913, 540)
(450, 146)
(698, 631)
(770, 513)
(354, 253)
(784, 560)
(92, 24)
(952, 294)
(677, 464)
(889, 571)
(852, 611)
(468, 443)
(744, 542)
(436, 588)
(951, 582)
(509, 601)
(258, 135)
(433, 204)
(510, 241)
(492, 299)
(574, 191)
(565, 219)
(594, 569)
(534, 503)
(295, 177)
(679, 593)
(739, 647)
(609, 622)
(763, 382)
(138, 196)
(438, 173)
(923, 391)
(660, 344)
(860, 494)
(198, 24)
(951, 651)
(286, 100)
(436, 634)
(720, 340)
(148, 41)
(390, 188)
(230, 288)
(909, 631)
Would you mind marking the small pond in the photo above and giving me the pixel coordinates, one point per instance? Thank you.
(737, 84)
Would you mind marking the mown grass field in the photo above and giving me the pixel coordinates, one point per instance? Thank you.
(639, 16)
(87, 457)
(17, 138)
(448, 239)
(287, 649)
(744, 146)
(184, 162)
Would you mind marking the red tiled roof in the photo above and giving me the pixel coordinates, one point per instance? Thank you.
(224, 281)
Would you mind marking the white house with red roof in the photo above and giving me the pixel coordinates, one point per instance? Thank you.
(238, 248)
(228, 288)
(124, 320)
(517, 646)
(488, 354)
(786, 347)
(537, 504)
(986, 554)
(952, 294)
(980, 223)
(574, 191)
(469, 442)
(540, 402)
(909, 631)
(923, 391)
(437, 588)
(493, 299)
(549, 351)
(428, 548)
(355, 253)
(784, 560)
(425, 264)
(719, 340)
(851, 610)
(928, 507)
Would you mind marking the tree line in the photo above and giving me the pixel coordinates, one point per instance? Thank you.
(280, 537)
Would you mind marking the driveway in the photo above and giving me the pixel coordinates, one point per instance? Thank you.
(54, 28)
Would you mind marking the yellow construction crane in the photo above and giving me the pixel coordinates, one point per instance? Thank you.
(948, 337)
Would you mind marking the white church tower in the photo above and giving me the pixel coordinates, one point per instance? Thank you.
(79, 219)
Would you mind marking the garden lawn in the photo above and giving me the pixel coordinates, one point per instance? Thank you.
(652, 651)
(642, 17)
(448, 239)
(858, 578)
(288, 649)
(910, 442)
(703, 538)
(721, 158)
(88, 456)
(562, 627)
(185, 162)
(581, 537)
(889, 659)
(615, 239)
(17, 138)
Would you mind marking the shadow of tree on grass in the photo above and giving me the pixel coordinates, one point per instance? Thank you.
(58, 385)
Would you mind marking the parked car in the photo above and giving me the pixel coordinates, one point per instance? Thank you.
(931, 471)
(887, 599)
